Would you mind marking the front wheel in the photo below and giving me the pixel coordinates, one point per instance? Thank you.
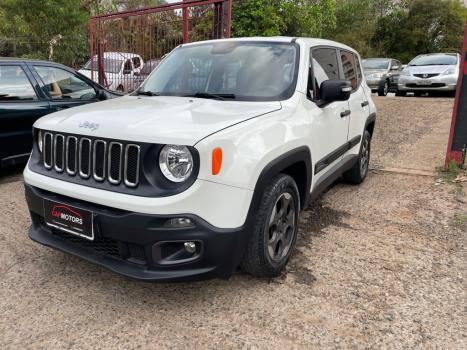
(357, 174)
(383, 91)
(401, 93)
(275, 229)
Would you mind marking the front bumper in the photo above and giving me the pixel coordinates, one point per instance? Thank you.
(438, 83)
(140, 246)
(375, 84)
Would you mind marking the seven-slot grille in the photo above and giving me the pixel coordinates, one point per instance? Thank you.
(88, 158)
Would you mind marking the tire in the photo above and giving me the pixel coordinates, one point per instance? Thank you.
(401, 93)
(357, 174)
(383, 91)
(275, 229)
(417, 94)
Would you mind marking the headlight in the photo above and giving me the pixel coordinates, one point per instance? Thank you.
(405, 73)
(39, 140)
(176, 162)
(449, 71)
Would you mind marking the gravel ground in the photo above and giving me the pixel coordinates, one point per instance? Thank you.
(382, 265)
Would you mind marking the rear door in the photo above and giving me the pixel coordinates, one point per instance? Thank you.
(330, 122)
(396, 68)
(21, 104)
(358, 102)
(64, 89)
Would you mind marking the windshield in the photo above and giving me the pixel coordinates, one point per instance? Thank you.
(375, 63)
(149, 66)
(241, 70)
(110, 65)
(435, 60)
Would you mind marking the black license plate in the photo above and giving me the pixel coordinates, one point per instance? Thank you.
(69, 219)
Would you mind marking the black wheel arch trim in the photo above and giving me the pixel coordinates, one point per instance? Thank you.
(371, 119)
(276, 166)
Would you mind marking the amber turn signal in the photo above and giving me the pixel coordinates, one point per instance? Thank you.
(216, 160)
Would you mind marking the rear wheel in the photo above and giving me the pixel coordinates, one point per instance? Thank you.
(275, 229)
(357, 174)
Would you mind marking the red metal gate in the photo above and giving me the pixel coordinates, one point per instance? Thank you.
(457, 144)
(126, 46)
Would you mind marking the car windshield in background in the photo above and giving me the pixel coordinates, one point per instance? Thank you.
(110, 65)
(241, 70)
(435, 60)
(376, 63)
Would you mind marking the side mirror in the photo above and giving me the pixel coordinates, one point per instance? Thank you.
(126, 71)
(335, 90)
(101, 95)
(136, 74)
(395, 67)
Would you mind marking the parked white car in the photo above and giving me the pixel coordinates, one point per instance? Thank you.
(121, 70)
(207, 166)
(430, 73)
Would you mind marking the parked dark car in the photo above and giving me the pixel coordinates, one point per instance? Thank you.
(30, 89)
(382, 74)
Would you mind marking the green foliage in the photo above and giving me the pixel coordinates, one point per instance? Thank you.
(393, 28)
(282, 17)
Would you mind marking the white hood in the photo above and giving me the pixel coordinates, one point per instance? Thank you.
(158, 119)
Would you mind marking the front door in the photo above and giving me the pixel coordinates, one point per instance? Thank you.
(330, 123)
(20, 106)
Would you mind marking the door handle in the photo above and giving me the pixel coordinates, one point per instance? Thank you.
(365, 103)
(345, 113)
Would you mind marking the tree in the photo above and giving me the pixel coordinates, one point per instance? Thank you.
(282, 17)
(427, 26)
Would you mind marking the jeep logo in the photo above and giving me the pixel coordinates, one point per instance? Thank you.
(88, 125)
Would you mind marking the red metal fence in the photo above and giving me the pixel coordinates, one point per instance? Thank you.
(457, 144)
(126, 46)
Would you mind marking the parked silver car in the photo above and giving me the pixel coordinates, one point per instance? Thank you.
(430, 73)
(382, 74)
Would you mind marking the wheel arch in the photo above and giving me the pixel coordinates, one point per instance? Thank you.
(370, 123)
(295, 163)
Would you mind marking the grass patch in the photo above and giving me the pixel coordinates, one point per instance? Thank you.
(452, 174)
(460, 220)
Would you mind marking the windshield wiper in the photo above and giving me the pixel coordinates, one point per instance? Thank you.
(213, 96)
(147, 93)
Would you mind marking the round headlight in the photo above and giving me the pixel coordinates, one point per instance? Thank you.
(39, 140)
(176, 162)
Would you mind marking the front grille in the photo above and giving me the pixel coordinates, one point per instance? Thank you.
(434, 85)
(426, 76)
(102, 245)
(115, 162)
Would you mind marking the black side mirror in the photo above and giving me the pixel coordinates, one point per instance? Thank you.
(335, 90)
(127, 71)
(101, 95)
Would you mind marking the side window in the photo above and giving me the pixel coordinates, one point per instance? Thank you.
(127, 67)
(15, 85)
(136, 62)
(61, 84)
(325, 67)
(348, 66)
(359, 70)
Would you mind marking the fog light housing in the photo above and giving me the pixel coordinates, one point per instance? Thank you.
(179, 223)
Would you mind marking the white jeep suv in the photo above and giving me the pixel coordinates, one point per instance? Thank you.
(206, 167)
